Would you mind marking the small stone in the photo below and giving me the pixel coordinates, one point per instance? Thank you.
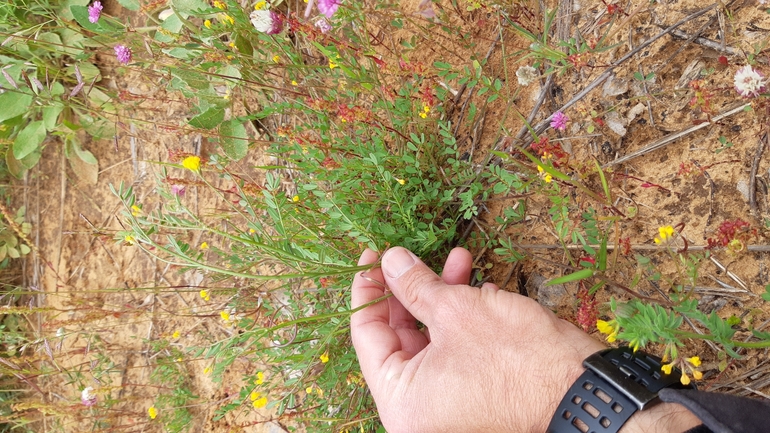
(743, 188)
(614, 86)
(615, 123)
(275, 428)
(547, 296)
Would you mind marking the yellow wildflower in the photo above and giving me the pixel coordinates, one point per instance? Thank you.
(252, 231)
(309, 390)
(276, 58)
(610, 329)
(260, 378)
(207, 24)
(176, 334)
(324, 357)
(129, 239)
(401, 181)
(697, 375)
(332, 65)
(259, 402)
(546, 176)
(231, 44)
(695, 361)
(192, 163)
(260, 5)
(205, 295)
(136, 210)
(685, 379)
(204, 246)
(293, 83)
(423, 115)
(152, 412)
(295, 198)
(667, 368)
(207, 370)
(226, 19)
(225, 315)
(665, 232)
(219, 4)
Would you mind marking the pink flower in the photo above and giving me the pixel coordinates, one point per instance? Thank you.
(123, 53)
(267, 21)
(749, 82)
(328, 7)
(559, 121)
(95, 11)
(323, 25)
(177, 190)
(87, 397)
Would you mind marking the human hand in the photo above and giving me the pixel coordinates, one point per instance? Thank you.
(488, 361)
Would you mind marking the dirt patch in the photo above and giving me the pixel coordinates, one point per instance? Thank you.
(135, 304)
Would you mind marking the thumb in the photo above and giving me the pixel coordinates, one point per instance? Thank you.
(413, 283)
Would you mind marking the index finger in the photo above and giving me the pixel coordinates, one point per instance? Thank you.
(373, 338)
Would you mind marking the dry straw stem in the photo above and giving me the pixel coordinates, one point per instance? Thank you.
(543, 125)
(677, 135)
(753, 176)
(639, 247)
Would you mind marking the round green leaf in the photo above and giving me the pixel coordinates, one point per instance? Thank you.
(29, 139)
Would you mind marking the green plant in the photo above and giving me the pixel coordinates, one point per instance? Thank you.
(49, 74)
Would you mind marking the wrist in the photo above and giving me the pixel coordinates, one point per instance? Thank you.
(664, 417)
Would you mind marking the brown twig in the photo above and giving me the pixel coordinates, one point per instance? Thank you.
(753, 175)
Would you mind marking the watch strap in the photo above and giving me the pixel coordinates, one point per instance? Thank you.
(616, 383)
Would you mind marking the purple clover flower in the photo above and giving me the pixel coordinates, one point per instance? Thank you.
(328, 7)
(559, 121)
(95, 11)
(123, 53)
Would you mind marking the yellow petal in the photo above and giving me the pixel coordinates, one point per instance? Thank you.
(695, 361)
(697, 375)
(685, 379)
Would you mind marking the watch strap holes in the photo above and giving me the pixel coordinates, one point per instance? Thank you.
(603, 396)
(617, 407)
(591, 410)
(580, 425)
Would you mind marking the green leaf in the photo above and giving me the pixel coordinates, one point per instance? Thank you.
(84, 154)
(29, 139)
(193, 79)
(14, 104)
(132, 5)
(209, 119)
(234, 139)
(24, 249)
(51, 115)
(766, 295)
(190, 6)
(575, 276)
(602, 259)
(81, 16)
(15, 167)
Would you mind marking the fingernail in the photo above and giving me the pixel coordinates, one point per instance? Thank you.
(397, 261)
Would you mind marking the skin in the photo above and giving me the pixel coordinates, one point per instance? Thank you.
(487, 361)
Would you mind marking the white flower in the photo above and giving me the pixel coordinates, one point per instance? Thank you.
(749, 82)
(526, 75)
(266, 21)
(87, 397)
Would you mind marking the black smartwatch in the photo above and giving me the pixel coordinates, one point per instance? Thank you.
(616, 383)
